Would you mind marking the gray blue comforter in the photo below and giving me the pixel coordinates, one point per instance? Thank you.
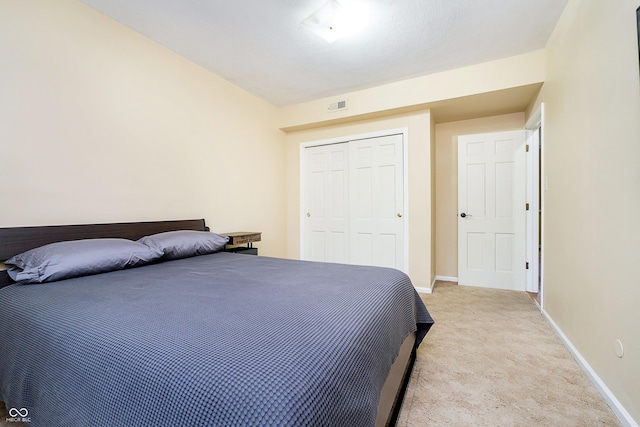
(214, 340)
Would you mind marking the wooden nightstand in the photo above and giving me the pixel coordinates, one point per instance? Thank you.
(243, 238)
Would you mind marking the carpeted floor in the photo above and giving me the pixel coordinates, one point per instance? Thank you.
(492, 359)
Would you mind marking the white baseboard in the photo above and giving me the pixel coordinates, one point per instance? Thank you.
(423, 290)
(615, 405)
(446, 279)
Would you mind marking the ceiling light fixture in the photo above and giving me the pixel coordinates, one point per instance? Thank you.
(336, 19)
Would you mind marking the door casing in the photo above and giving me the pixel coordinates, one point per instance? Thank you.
(536, 181)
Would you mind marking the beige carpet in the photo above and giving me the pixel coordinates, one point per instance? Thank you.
(491, 359)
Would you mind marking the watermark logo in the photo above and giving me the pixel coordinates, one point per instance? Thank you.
(20, 415)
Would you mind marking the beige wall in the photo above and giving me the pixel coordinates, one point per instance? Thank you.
(100, 124)
(402, 104)
(592, 155)
(446, 181)
(420, 236)
(419, 93)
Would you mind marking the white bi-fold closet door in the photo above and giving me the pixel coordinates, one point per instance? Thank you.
(353, 202)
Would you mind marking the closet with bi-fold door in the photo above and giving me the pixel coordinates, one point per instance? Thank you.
(352, 196)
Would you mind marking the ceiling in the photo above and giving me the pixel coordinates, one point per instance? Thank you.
(263, 47)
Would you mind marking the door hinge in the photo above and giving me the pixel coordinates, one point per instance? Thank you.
(527, 206)
(527, 147)
(527, 266)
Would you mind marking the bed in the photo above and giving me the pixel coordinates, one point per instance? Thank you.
(218, 339)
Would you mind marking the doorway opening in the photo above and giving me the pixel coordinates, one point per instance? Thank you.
(535, 198)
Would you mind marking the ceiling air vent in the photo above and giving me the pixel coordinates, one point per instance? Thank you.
(337, 106)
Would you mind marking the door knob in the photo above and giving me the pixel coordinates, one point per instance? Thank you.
(463, 215)
(308, 214)
(399, 215)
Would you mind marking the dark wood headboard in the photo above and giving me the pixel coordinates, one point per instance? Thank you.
(16, 240)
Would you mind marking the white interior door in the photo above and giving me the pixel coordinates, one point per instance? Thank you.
(377, 201)
(327, 203)
(491, 210)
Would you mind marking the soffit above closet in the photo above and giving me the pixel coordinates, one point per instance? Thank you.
(263, 47)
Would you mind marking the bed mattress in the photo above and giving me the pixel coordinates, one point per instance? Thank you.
(221, 339)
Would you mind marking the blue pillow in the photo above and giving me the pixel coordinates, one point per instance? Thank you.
(185, 243)
(63, 260)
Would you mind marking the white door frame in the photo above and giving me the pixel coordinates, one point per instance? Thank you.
(342, 139)
(536, 181)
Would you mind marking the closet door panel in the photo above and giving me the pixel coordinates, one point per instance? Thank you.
(326, 204)
(377, 201)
